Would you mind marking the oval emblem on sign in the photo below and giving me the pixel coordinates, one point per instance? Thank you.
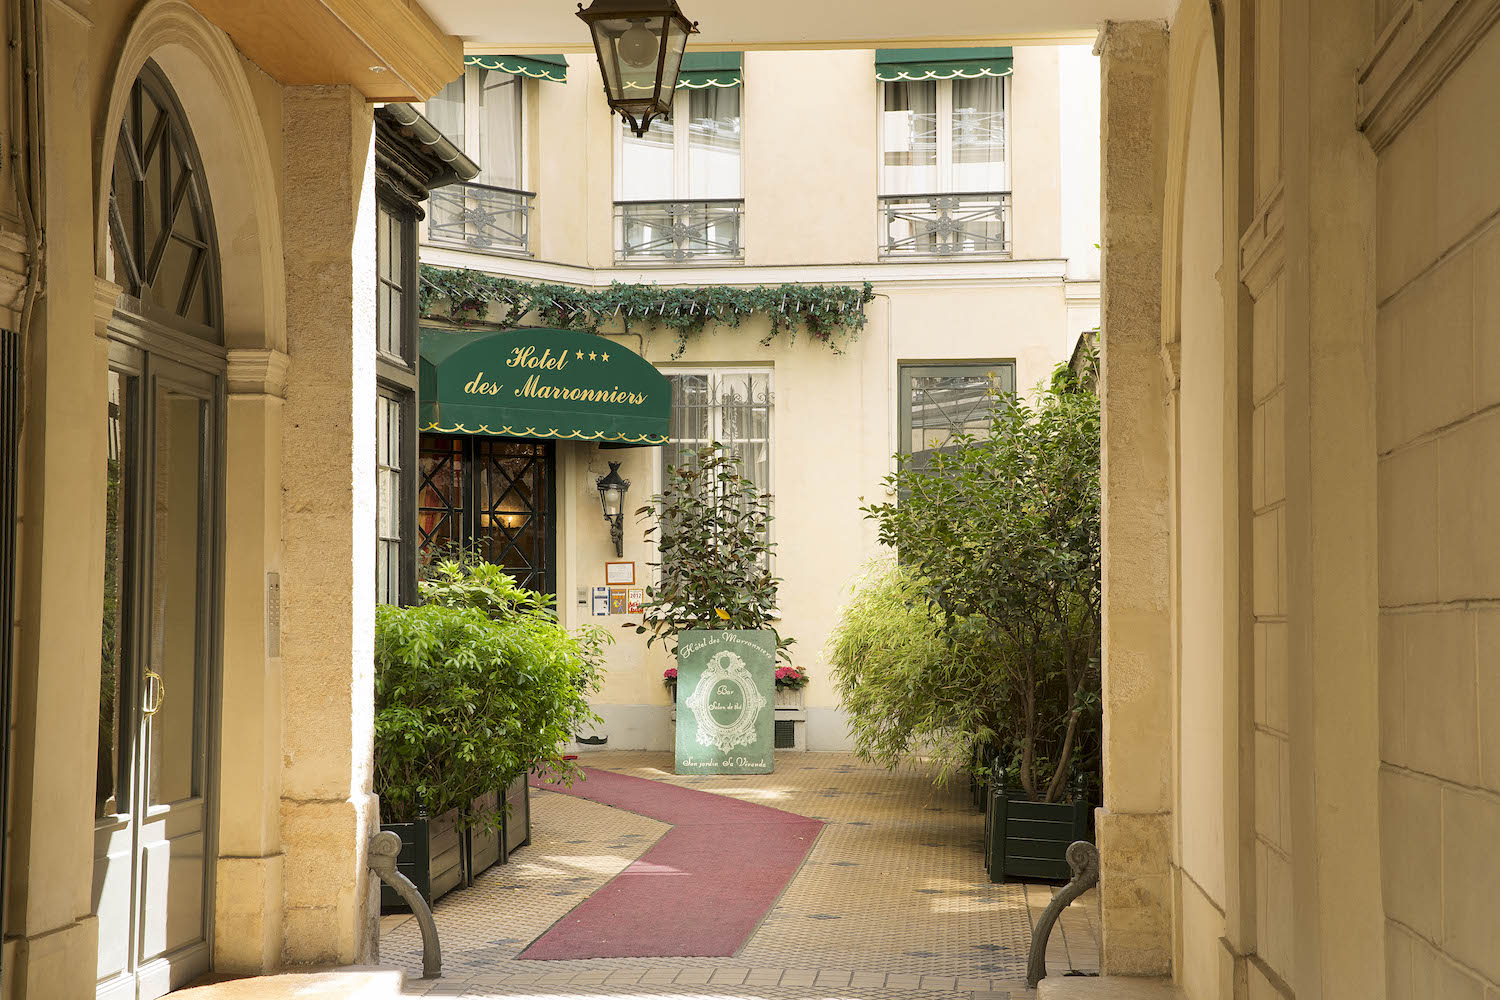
(726, 703)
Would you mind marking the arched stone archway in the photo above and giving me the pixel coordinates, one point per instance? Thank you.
(228, 119)
(208, 75)
(1202, 420)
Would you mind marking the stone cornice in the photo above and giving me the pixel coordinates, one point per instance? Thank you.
(1262, 251)
(12, 272)
(1425, 41)
(106, 298)
(256, 371)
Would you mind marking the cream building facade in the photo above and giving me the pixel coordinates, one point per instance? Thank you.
(802, 163)
(1298, 204)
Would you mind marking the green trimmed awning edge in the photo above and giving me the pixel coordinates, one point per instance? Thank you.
(539, 67)
(701, 70)
(570, 386)
(896, 65)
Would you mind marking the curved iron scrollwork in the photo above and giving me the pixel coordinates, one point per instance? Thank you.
(679, 231)
(481, 217)
(945, 225)
(1083, 861)
(384, 848)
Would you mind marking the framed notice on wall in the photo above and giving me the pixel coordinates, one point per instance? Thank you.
(619, 574)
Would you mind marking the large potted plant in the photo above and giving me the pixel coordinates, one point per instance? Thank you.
(998, 537)
(712, 528)
(474, 688)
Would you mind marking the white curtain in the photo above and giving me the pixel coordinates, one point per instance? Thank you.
(499, 145)
(909, 161)
(646, 163)
(714, 142)
(978, 130)
(446, 112)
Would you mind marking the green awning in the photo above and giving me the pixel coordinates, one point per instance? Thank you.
(894, 65)
(541, 384)
(709, 69)
(542, 67)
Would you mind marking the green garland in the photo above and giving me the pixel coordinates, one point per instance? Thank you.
(830, 314)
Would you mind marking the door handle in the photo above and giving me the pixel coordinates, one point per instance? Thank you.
(154, 685)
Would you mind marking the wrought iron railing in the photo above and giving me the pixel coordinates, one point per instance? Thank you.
(679, 231)
(945, 225)
(480, 217)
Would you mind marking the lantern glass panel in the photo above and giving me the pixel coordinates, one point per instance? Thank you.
(676, 42)
(611, 498)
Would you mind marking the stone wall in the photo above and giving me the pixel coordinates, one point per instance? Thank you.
(1438, 441)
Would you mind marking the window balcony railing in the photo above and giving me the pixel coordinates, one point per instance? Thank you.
(678, 231)
(480, 217)
(945, 225)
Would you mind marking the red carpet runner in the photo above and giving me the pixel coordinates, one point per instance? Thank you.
(699, 892)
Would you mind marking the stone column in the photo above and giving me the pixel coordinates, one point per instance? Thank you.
(248, 874)
(1134, 829)
(1331, 542)
(328, 518)
(51, 933)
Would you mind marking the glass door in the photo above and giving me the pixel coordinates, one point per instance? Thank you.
(493, 497)
(151, 869)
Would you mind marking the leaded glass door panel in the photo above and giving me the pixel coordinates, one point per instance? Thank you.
(494, 497)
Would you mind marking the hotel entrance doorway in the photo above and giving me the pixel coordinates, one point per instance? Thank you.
(495, 497)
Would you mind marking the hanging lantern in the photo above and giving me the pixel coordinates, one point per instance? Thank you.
(640, 46)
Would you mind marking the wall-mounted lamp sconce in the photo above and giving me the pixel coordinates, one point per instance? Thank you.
(612, 498)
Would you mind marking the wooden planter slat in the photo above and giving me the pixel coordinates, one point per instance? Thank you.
(518, 816)
(432, 856)
(483, 842)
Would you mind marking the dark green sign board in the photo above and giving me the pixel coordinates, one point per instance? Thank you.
(726, 702)
(541, 384)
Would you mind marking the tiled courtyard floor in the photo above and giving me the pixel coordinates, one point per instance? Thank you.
(892, 901)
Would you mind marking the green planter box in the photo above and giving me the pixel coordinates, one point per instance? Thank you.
(432, 856)
(487, 847)
(1029, 840)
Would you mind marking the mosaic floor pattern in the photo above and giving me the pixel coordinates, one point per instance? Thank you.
(892, 901)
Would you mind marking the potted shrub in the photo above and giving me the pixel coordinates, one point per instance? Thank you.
(998, 537)
(712, 527)
(474, 688)
(711, 524)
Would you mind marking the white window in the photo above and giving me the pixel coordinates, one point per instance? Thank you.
(392, 535)
(395, 402)
(732, 406)
(944, 168)
(945, 136)
(483, 113)
(700, 159)
(678, 189)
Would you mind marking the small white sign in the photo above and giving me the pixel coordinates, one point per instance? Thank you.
(601, 601)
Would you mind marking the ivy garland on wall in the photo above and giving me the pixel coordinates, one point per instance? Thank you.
(830, 314)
